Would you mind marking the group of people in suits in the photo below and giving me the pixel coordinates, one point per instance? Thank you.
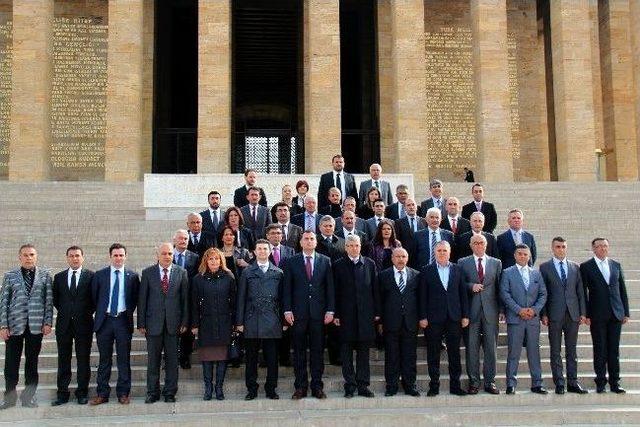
(340, 271)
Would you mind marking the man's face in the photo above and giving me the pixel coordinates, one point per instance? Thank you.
(282, 213)
(195, 224)
(601, 248)
(214, 201)
(28, 258)
(436, 190)
(326, 228)
(338, 164)
(478, 246)
(75, 258)
(522, 257)
(334, 197)
(515, 220)
(452, 207)
(375, 171)
(349, 205)
(402, 196)
(308, 242)
(399, 259)
(443, 253)
(310, 205)
(353, 248)
(251, 178)
(274, 236)
(433, 220)
(253, 197)
(118, 257)
(181, 241)
(559, 249)
(477, 193)
(378, 208)
(477, 223)
(165, 255)
(410, 207)
(348, 220)
(262, 252)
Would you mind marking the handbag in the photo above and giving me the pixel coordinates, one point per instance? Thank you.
(236, 347)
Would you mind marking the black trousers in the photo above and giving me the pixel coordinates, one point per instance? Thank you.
(452, 331)
(155, 345)
(32, 343)
(114, 329)
(360, 377)
(284, 348)
(606, 350)
(400, 358)
(308, 333)
(270, 352)
(186, 346)
(65, 342)
(333, 344)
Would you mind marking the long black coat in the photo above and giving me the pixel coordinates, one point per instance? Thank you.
(357, 298)
(213, 307)
(259, 302)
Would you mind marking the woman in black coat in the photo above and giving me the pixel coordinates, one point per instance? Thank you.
(213, 313)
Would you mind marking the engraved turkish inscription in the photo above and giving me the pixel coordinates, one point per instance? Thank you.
(6, 48)
(514, 100)
(78, 98)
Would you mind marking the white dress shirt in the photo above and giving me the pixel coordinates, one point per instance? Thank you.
(603, 265)
(70, 273)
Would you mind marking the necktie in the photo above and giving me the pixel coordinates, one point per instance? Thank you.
(339, 182)
(253, 213)
(432, 254)
(264, 268)
(310, 225)
(525, 277)
(480, 270)
(518, 238)
(196, 240)
(413, 224)
(401, 283)
(454, 226)
(181, 260)
(403, 213)
(214, 219)
(276, 256)
(165, 281)
(307, 266)
(563, 274)
(376, 184)
(115, 293)
(438, 203)
(284, 233)
(479, 206)
(28, 281)
(74, 282)
(604, 268)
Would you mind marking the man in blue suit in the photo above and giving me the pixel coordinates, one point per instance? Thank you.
(309, 304)
(524, 294)
(115, 293)
(426, 239)
(514, 236)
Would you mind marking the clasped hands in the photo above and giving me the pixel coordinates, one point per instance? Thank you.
(527, 313)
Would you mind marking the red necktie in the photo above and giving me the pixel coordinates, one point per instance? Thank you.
(276, 256)
(165, 281)
(308, 268)
(454, 228)
(480, 270)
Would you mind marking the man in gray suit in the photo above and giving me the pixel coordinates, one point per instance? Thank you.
(163, 304)
(291, 233)
(524, 294)
(375, 170)
(481, 275)
(564, 311)
(26, 314)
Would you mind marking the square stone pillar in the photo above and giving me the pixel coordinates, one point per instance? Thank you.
(30, 141)
(404, 139)
(125, 53)
(490, 67)
(573, 90)
(322, 114)
(214, 86)
(634, 15)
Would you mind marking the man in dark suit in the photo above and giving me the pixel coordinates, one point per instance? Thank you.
(436, 200)
(468, 175)
(348, 227)
(328, 243)
(240, 195)
(214, 215)
(26, 314)
(463, 241)
(163, 306)
(375, 171)
(399, 323)
(563, 313)
(115, 294)
(357, 310)
(256, 217)
(480, 205)
(290, 232)
(350, 204)
(74, 325)
(334, 206)
(309, 219)
(374, 221)
(452, 221)
(398, 210)
(427, 238)
(309, 304)
(407, 227)
(444, 311)
(607, 310)
(514, 236)
(338, 178)
(199, 240)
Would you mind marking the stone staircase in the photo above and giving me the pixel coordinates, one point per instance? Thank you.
(94, 215)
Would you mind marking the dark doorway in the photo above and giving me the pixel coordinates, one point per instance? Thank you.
(175, 86)
(359, 84)
(544, 25)
(266, 39)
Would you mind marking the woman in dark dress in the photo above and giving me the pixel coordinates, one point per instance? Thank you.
(365, 211)
(213, 309)
(383, 244)
(234, 219)
(237, 258)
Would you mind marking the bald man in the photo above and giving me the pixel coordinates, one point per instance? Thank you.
(163, 304)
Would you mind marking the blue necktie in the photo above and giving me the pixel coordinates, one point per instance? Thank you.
(563, 274)
(432, 254)
(113, 311)
(181, 260)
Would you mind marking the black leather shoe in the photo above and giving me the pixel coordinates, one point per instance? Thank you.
(577, 389)
(251, 395)
(472, 390)
(492, 389)
(559, 389)
(151, 399)
(365, 392)
(7, 404)
(458, 392)
(59, 401)
(348, 394)
(272, 395)
(618, 390)
(389, 393)
(170, 399)
(539, 390)
(83, 400)
(511, 390)
(299, 394)
(600, 389)
(185, 364)
(433, 392)
(318, 394)
(412, 391)
(33, 403)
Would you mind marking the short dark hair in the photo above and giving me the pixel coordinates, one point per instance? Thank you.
(272, 226)
(26, 246)
(378, 200)
(279, 205)
(246, 171)
(337, 156)
(253, 188)
(213, 192)
(477, 184)
(117, 246)
(593, 242)
(262, 242)
(75, 248)
(558, 239)
(301, 183)
(521, 246)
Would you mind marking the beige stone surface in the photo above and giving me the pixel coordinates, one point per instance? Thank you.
(597, 79)
(30, 91)
(573, 90)
(147, 84)
(322, 113)
(214, 86)
(634, 16)
(490, 66)
(123, 148)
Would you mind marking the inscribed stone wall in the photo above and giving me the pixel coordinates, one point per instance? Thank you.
(6, 45)
(78, 93)
(449, 90)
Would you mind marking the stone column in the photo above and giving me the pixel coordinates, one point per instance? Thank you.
(618, 89)
(634, 14)
(147, 85)
(30, 142)
(214, 86)
(490, 67)
(124, 140)
(405, 79)
(322, 114)
(573, 90)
